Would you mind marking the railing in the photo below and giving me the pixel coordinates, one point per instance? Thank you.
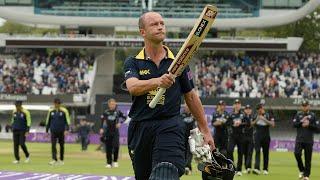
(69, 36)
(102, 36)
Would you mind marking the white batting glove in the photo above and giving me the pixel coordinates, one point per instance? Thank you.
(127, 121)
(201, 152)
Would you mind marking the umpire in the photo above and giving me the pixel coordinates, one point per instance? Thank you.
(306, 124)
(21, 121)
(58, 121)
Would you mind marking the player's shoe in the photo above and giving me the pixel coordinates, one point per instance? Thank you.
(115, 164)
(306, 178)
(300, 175)
(27, 160)
(239, 173)
(60, 162)
(53, 162)
(265, 172)
(108, 166)
(247, 171)
(256, 171)
(15, 162)
(187, 171)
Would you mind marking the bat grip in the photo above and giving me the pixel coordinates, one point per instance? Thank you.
(156, 98)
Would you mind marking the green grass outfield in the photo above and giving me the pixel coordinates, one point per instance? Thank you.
(282, 164)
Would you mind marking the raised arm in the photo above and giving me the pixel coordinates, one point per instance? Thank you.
(137, 87)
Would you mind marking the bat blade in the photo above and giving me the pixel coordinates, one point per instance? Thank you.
(190, 46)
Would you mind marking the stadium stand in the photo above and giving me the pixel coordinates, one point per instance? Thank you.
(292, 75)
(233, 14)
(60, 72)
(134, 8)
(283, 3)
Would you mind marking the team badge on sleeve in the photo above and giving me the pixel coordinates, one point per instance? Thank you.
(127, 73)
(190, 76)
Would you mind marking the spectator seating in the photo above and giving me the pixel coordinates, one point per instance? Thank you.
(59, 72)
(293, 75)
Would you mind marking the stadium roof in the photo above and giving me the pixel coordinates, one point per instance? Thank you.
(26, 15)
(101, 41)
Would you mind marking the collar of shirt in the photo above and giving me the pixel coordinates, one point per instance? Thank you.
(142, 55)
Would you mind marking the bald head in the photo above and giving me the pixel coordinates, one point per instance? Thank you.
(152, 28)
(144, 17)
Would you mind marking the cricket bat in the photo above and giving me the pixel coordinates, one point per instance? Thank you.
(190, 46)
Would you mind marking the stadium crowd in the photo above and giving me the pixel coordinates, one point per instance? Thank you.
(295, 76)
(59, 72)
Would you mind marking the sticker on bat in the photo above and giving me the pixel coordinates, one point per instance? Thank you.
(182, 59)
(211, 14)
(202, 26)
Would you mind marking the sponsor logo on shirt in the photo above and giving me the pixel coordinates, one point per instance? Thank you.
(152, 94)
(143, 72)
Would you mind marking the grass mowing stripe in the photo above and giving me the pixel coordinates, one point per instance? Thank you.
(282, 164)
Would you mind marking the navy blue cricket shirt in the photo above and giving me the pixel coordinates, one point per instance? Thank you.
(169, 105)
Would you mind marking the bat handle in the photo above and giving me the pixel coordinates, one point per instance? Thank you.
(156, 98)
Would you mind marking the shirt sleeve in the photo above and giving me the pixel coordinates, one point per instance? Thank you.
(314, 123)
(296, 121)
(102, 119)
(130, 69)
(48, 121)
(214, 118)
(28, 118)
(67, 118)
(229, 121)
(121, 115)
(247, 121)
(186, 80)
(271, 117)
(12, 118)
